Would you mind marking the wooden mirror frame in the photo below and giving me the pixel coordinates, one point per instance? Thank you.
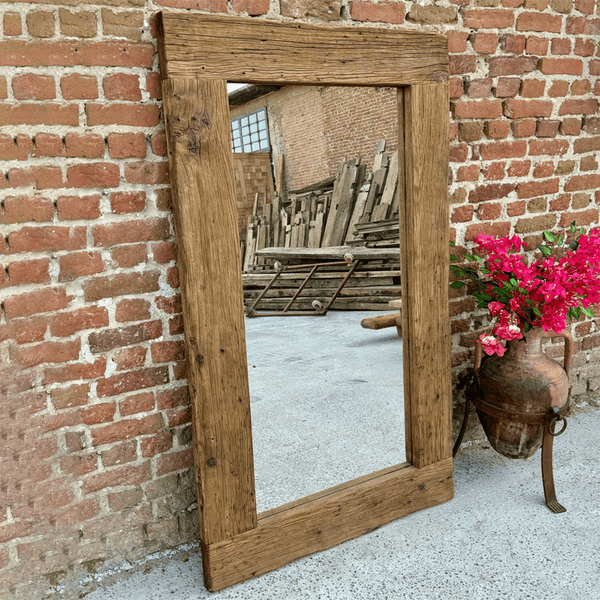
(198, 55)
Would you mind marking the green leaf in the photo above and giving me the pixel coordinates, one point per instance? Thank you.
(573, 228)
(452, 244)
(453, 257)
(559, 240)
(477, 258)
(576, 312)
(546, 251)
(485, 271)
(514, 282)
(536, 310)
(549, 236)
(588, 312)
(457, 284)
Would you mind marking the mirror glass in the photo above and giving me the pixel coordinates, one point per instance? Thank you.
(316, 181)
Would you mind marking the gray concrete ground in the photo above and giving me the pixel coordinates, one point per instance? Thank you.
(495, 540)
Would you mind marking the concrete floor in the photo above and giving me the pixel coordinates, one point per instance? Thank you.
(495, 540)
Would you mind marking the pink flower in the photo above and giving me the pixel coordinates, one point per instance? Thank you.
(508, 332)
(491, 345)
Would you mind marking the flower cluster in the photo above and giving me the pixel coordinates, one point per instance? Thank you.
(561, 283)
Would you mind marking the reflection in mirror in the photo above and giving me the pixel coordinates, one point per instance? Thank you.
(316, 172)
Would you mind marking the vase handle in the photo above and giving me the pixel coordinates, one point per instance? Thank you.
(568, 347)
(478, 357)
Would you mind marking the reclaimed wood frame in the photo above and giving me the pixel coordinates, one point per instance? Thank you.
(198, 54)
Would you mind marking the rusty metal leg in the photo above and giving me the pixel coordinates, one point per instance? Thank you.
(335, 295)
(250, 310)
(312, 272)
(552, 418)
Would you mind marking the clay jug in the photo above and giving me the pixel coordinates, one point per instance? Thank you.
(517, 390)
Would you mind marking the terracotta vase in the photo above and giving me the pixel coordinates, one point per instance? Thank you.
(517, 390)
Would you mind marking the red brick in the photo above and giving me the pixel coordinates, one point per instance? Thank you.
(531, 189)
(132, 380)
(587, 163)
(462, 64)
(561, 66)
(128, 256)
(120, 284)
(102, 341)
(80, 264)
(127, 202)
(175, 461)
(459, 152)
(537, 46)
(561, 203)
(89, 317)
(157, 444)
(547, 128)
(153, 86)
(24, 331)
(552, 147)
(39, 301)
(158, 143)
(495, 171)
(3, 88)
(72, 53)
(39, 177)
(571, 126)
(252, 7)
(581, 218)
(88, 175)
(29, 271)
(498, 129)
(470, 131)
(78, 465)
(480, 88)
(127, 145)
(87, 145)
(507, 87)
(558, 88)
(582, 145)
(519, 109)
(75, 372)
(164, 252)
(69, 397)
(130, 358)
(33, 87)
(512, 44)
(46, 352)
(478, 109)
(582, 182)
(78, 513)
(163, 199)
(493, 191)
(578, 107)
(585, 6)
(79, 87)
(489, 211)
(17, 148)
(499, 150)
(73, 208)
(488, 18)
(98, 413)
(26, 209)
(43, 239)
(133, 309)
(462, 214)
(119, 455)
(174, 397)
(169, 305)
(138, 403)
(122, 86)
(515, 209)
(127, 232)
(384, 12)
(136, 115)
(591, 125)
(533, 21)
(12, 24)
(485, 43)
(457, 41)
(584, 47)
(544, 169)
(511, 65)
(167, 352)
(581, 87)
(533, 88)
(127, 429)
(470, 173)
(561, 46)
(173, 277)
(129, 475)
(456, 88)
(39, 114)
(147, 172)
(494, 229)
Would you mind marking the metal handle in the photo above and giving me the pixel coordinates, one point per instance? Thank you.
(478, 356)
(568, 347)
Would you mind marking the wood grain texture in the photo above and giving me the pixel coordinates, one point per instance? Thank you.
(201, 170)
(324, 522)
(424, 235)
(259, 51)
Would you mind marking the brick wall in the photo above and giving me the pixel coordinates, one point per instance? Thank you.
(94, 415)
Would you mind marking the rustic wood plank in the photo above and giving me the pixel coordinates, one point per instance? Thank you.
(201, 169)
(326, 521)
(333, 252)
(387, 196)
(424, 238)
(250, 50)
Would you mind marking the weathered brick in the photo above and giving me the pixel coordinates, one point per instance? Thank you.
(534, 21)
(46, 352)
(126, 24)
(26, 209)
(578, 107)
(136, 115)
(324, 10)
(558, 89)
(33, 87)
(127, 232)
(43, 239)
(129, 255)
(499, 150)
(478, 109)
(137, 403)
(147, 172)
(120, 454)
(383, 12)
(132, 309)
(156, 444)
(70, 397)
(570, 126)
(40, 24)
(560, 46)
(497, 229)
(547, 128)
(582, 182)
(582, 145)
(533, 224)
(75, 372)
(129, 475)
(495, 171)
(98, 413)
(89, 175)
(519, 109)
(122, 86)
(78, 465)
(457, 41)
(581, 218)
(511, 65)
(81, 24)
(40, 114)
(580, 87)
(533, 88)
(167, 352)
(71, 208)
(132, 381)
(89, 317)
(480, 88)
(529, 189)
(102, 341)
(552, 147)
(127, 429)
(80, 264)
(459, 64)
(164, 252)
(23, 272)
(488, 18)
(12, 24)
(561, 66)
(127, 145)
(492, 191)
(39, 301)
(544, 169)
(174, 461)
(470, 131)
(130, 358)
(537, 46)
(79, 87)
(120, 284)
(15, 148)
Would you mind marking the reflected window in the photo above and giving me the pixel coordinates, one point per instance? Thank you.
(250, 133)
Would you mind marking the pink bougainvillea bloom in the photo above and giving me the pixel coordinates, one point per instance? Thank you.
(508, 332)
(492, 345)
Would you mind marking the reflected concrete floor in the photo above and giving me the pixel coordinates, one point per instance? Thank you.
(326, 400)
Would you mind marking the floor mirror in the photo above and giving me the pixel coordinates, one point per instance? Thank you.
(198, 55)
